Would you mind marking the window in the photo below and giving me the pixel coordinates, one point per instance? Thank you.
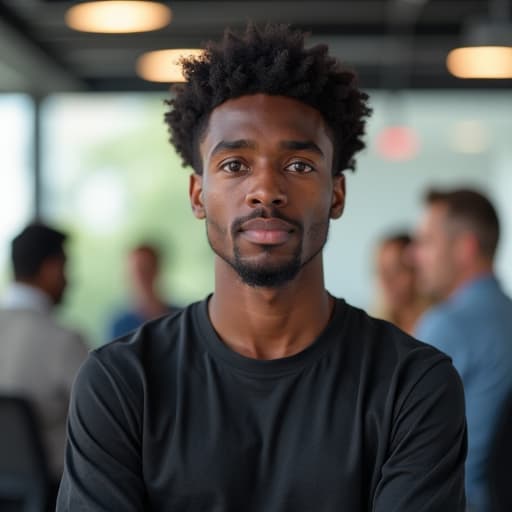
(16, 115)
(111, 179)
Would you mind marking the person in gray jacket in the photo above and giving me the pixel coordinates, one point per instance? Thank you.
(38, 357)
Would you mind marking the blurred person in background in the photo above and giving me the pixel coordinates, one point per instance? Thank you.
(143, 266)
(472, 323)
(38, 357)
(400, 303)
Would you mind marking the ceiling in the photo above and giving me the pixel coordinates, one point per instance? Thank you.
(391, 43)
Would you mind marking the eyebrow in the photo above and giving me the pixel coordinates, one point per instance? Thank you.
(233, 144)
(297, 145)
(301, 145)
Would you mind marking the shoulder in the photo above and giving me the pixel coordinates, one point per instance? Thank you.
(389, 361)
(44, 324)
(397, 371)
(389, 343)
(442, 326)
(153, 348)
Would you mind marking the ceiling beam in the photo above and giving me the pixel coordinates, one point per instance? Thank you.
(27, 67)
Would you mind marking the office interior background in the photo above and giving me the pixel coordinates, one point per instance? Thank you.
(83, 144)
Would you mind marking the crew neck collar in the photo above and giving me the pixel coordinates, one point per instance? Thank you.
(271, 368)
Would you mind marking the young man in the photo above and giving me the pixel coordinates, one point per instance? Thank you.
(457, 240)
(270, 395)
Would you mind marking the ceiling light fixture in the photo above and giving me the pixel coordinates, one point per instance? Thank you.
(164, 65)
(116, 16)
(487, 50)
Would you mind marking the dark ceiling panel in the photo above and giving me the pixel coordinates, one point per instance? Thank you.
(377, 37)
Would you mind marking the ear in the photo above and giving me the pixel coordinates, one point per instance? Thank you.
(468, 248)
(338, 196)
(195, 192)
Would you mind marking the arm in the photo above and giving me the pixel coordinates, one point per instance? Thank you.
(424, 470)
(103, 457)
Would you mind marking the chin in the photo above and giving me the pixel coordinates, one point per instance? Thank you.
(266, 275)
(267, 279)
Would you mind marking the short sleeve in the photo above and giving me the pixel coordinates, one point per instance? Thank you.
(102, 470)
(424, 469)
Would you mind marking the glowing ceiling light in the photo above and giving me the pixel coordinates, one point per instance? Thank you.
(481, 62)
(164, 65)
(116, 16)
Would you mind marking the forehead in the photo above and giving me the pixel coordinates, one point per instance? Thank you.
(263, 118)
(143, 254)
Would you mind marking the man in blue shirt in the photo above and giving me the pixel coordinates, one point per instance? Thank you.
(456, 243)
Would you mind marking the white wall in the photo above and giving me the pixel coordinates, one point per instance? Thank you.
(385, 196)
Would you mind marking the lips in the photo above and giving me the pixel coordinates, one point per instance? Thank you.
(266, 231)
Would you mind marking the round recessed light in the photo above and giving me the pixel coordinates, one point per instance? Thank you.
(164, 65)
(116, 16)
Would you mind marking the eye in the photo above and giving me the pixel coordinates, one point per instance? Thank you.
(234, 166)
(300, 167)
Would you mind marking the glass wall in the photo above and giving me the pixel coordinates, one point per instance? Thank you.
(112, 180)
(459, 138)
(16, 207)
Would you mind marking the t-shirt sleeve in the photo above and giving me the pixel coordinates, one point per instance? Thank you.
(424, 469)
(102, 470)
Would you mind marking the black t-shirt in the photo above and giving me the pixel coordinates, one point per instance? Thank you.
(170, 419)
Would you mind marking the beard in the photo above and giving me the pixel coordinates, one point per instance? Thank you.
(270, 275)
(266, 276)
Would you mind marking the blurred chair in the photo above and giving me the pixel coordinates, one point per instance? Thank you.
(500, 462)
(24, 475)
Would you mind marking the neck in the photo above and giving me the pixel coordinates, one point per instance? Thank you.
(408, 315)
(268, 323)
(149, 302)
(470, 273)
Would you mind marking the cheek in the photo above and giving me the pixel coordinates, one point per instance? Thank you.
(215, 204)
(319, 206)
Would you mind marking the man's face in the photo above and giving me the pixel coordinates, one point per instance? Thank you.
(267, 191)
(53, 277)
(143, 268)
(435, 253)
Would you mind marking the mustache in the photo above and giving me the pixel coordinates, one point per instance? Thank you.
(264, 213)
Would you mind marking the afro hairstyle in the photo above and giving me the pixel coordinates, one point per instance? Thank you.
(270, 60)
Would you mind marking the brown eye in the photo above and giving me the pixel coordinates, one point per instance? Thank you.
(234, 166)
(300, 167)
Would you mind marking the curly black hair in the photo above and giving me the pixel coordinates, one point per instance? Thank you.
(270, 60)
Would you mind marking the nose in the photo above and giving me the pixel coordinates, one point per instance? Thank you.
(266, 188)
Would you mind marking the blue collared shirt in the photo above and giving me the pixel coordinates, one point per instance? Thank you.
(474, 327)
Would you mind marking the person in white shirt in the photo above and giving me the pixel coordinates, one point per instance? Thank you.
(38, 357)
